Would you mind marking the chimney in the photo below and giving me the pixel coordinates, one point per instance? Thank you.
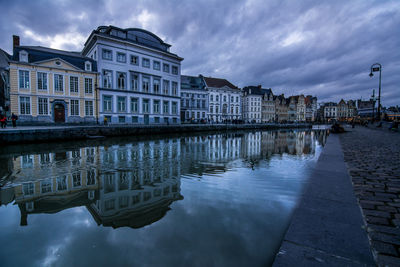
(15, 41)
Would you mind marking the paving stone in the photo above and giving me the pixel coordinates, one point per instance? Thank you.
(384, 248)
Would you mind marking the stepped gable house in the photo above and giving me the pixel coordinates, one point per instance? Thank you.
(140, 77)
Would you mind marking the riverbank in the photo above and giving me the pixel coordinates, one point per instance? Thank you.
(36, 134)
(327, 227)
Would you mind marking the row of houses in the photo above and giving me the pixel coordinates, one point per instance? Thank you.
(130, 76)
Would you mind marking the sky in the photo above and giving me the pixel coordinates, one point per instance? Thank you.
(320, 48)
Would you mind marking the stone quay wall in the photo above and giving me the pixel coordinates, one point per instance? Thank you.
(60, 133)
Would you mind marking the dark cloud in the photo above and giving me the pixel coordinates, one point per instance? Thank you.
(323, 48)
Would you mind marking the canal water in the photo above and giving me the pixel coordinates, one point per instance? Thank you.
(215, 199)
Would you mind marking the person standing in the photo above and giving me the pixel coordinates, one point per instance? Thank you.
(14, 119)
(3, 121)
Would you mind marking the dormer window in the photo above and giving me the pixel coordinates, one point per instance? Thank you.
(88, 66)
(23, 56)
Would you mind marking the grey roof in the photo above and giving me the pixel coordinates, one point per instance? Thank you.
(4, 59)
(192, 83)
(40, 53)
(257, 90)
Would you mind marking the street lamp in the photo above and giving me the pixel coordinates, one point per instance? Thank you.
(374, 68)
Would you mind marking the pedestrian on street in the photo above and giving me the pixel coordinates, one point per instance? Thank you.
(14, 119)
(3, 121)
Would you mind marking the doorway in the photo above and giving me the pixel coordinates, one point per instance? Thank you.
(59, 113)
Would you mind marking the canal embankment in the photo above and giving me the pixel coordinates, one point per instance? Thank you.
(327, 228)
(36, 134)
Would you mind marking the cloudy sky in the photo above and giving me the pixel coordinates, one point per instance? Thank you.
(323, 48)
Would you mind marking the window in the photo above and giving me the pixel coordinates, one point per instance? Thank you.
(107, 54)
(165, 107)
(43, 106)
(121, 119)
(88, 108)
(134, 60)
(121, 57)
(134, 81)
(45, 186)
(174, 88)
(107, 78)
(203, 103)
(62, 183)
(24, 79)
(156, 106)
(156, 86)
(146, 108)
(88, 66)
(146, 62)
(121, 80)
(231, 98)
(145, 84)
(211, 109)
(41, 81)
(174, 108)
(165, 87)
(156, 65)
(107, 103)
(134, 105)
(25, 105)
(28, 188)
(76, 179)
(73, 84)
(58, 83)
(88, 86)
(156, 119)
(211, 98)
(121, 102)
(166, 68)
(90, 177)
(74, 107)
(135, 119)
(175, 70)
(217, 98)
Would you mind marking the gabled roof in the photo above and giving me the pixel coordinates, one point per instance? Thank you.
(40, 54)
(218, 83)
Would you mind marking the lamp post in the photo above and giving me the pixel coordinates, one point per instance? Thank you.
(373, 104)
(374, 68)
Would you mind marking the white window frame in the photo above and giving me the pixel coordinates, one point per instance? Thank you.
(74, 103)
(20, 105)
(25, 84)
(110, 104)
(43, 84)
(89, 108)
(62, 78)
(74, 90)
(103, 50)
(123, 57)
(88, 86)
(46, 107)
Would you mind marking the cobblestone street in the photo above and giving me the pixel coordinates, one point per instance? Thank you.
(373, 159)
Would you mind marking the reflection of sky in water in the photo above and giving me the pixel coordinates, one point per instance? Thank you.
(233, 217)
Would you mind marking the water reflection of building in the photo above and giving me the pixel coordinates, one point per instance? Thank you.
(140, 183)
(134, 183)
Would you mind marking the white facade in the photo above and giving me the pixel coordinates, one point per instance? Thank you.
(224, 104)
(252, 108)
(139, 77)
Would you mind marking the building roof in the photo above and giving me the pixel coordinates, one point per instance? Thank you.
(192, 83)
(218, 83)
(40, 53)
(4, 59)
(256, 90)
(132, 35)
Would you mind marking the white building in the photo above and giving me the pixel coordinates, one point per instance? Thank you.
(252, 103)
(224, 100)
(140, 78)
